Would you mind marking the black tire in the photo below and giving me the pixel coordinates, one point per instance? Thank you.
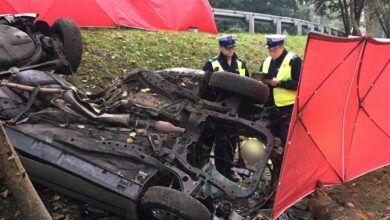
(251, 89)
(70, 36)
(158, 199)
(43, 27)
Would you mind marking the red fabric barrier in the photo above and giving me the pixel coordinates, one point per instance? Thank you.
(178, 15)
(340, 126)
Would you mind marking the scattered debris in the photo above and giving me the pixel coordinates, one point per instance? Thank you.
(58, 216)
(55, 198)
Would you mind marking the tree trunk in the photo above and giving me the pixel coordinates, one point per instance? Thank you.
(373, 27)
(355, 17)
(18, 182)
(382, 10)
(343, 7)
(369, 18)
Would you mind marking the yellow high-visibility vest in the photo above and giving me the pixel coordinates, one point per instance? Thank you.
(215, 64)
(282, 97)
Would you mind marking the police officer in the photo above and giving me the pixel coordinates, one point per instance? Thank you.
(227, 60)
(283, 69)
(225, 140)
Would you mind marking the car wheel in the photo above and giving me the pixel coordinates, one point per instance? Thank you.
(251, 89)
(165, 203)
(70, 35)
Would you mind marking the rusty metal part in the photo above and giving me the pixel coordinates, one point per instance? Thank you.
(114, 119)
(167, 127)
(30, 88)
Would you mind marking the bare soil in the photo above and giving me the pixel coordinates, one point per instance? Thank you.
(370, 193)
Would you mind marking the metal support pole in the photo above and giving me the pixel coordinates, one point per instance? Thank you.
(311, 27)
(251, 21)
(322, 30)
(298, 23)
(278, 23)
(329, 31)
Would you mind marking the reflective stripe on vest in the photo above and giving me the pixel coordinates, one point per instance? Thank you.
(282, 97)
(215, 64)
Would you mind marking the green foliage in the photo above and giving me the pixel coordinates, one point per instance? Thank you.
(286, 8)
(349, 11)
(232, 26)
(236, 29)
(275, 7)
(110, 53)
(303, 12)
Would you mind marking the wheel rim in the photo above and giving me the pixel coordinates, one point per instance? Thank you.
(162, 214)
(262, 195)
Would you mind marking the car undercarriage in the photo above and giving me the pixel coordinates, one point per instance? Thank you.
(139, 148)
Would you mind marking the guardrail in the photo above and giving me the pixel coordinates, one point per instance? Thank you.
(278, 21)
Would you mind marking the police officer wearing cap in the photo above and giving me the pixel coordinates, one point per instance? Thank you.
(225, 140)
(227, 60)
(283, 69)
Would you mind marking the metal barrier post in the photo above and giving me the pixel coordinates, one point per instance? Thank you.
(278, 23)
(251, 21)
(298, 23)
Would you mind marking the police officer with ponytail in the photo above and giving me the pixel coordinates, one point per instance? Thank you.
(283, 69)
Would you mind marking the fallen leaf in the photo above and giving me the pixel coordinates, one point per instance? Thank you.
(130, 140)
(4, 194)
(17, 213)
(350, 205)
(55, 198)
(56, 205)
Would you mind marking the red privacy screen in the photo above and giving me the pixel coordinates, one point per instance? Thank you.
(178, 15)
(340, 125)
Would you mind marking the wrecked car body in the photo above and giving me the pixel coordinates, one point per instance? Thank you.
(27, 43)
(136, 148)
(139, 148)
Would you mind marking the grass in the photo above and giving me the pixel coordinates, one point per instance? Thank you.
(109, 53)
